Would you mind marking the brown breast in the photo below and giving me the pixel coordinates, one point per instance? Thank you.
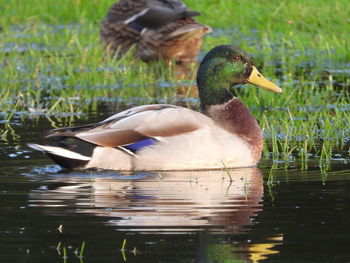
(236, 118)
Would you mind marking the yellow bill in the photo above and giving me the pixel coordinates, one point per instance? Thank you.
(259, 80)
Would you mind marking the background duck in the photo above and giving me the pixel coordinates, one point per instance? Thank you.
(157, 28)
(168, 137)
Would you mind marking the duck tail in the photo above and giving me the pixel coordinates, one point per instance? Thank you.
(63, 157)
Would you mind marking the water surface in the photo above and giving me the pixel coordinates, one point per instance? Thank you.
(241, 215)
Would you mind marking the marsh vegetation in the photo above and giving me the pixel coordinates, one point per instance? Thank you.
(293, 207)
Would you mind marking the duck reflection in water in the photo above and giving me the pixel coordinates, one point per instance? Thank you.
(222, 202)
(187, 200)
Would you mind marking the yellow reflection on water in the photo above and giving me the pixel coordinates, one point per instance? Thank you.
(261, 251)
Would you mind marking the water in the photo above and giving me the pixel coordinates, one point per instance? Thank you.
(262, 215)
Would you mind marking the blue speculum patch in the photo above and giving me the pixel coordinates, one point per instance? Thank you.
(134, 147)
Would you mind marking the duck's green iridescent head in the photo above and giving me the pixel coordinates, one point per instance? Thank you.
(223, 67)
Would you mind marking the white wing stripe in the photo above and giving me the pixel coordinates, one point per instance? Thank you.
(144, 11)
(59, 151)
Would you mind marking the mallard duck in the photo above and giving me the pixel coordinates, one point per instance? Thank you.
(158, 29)
(168, 137)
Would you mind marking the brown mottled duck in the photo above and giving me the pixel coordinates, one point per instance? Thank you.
(158, 29)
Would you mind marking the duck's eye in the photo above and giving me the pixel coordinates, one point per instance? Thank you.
(237, 58)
